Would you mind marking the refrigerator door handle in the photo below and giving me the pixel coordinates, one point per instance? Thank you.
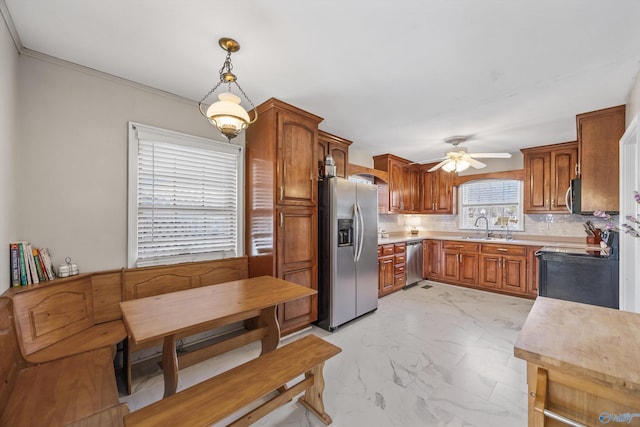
(361, 231)
(356, 232)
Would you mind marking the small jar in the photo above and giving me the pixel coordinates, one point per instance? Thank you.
(63, 270)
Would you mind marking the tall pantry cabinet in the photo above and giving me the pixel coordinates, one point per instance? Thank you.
(281, 212)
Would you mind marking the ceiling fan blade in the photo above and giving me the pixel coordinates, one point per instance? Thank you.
(439, 165)
(476, 164)
(491, 155)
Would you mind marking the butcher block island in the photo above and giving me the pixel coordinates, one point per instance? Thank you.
(583, 364)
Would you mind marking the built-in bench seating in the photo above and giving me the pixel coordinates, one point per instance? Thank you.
(79, 389)
(220, 397)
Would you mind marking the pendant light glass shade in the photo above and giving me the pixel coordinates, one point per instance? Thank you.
(227, 115)
(462, 165)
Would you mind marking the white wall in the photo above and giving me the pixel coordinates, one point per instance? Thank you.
(72, 193)
(8, 144)
(633, 103)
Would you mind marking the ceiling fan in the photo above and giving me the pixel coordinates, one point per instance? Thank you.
(458, 159)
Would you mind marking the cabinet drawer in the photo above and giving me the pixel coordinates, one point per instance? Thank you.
(496, 249)
(400, 258)
(399, 269)
(400, 280)
(461, 246)
(400, 248)
(386, 249)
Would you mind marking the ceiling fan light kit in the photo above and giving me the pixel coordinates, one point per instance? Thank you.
(459, 159)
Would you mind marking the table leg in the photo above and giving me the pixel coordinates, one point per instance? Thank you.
(269, 320)
(170, 365)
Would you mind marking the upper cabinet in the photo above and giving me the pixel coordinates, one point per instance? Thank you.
(599, 134)
(437, 190)
(412, 189)
(548, 173)
(339, 150)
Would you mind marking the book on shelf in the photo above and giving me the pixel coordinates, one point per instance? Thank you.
(14, 254)
(29, 264)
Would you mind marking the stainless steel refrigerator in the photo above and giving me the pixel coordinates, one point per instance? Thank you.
(347, 251)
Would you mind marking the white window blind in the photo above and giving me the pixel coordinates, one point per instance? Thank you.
(186, 197)
(498, 200)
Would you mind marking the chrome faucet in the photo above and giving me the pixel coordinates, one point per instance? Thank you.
(486, 224)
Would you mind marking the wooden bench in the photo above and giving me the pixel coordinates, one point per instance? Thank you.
(221, 396)
(77, 390)
(152, 281)
(56, 320)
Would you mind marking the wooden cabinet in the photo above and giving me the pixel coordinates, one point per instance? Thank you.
(339, 150)
(397, 168)
(412, 189)
(532, 270)
(548, 173)
(503, 267)
(599, 134)
(437, 191)
(432, 259)
(460, 262)
(400, 266)
(392, 268)
(281, 212)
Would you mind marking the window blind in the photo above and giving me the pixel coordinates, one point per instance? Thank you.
(489, 192)
(186, 199)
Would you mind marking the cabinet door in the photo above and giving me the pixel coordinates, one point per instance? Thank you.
(563, 170)
(450, 265)
(537, 168)
(296, 228)
(340, 154)
(599, 134)
(385, 276)
(490, 271)
(396, 180)
(468, 272)
(297, 165)
(297, 314)
(428, 202)
(532, 270)
(297, 263)
(432, 255)
(442, 189)
(323, 149)
(514, 274)
(407, 200)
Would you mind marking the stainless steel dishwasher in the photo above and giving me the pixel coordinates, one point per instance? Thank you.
(414, 262)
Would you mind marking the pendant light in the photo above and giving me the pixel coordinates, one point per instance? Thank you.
(227, 114)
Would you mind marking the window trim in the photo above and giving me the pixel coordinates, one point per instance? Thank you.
(165, 135)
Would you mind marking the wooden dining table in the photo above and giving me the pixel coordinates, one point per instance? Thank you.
(169, 315)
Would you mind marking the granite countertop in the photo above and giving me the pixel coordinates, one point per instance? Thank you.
(583, 340)
(531, 240)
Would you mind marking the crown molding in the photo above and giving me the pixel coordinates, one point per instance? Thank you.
(102, 75)
(4, 11)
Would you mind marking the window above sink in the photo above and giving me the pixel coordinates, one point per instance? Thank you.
(499, 200)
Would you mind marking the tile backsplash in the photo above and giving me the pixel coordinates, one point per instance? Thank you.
(562, 225)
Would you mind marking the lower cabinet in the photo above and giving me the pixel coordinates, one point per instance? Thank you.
(505, 268)
(532, 270)
(432, 259)
(460, 262)
(392, 273)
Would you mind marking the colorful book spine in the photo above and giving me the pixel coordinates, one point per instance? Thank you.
(15, 264)
(46, 258)
(32, 265)
(42, 267)
(36, 261)
(23, 266)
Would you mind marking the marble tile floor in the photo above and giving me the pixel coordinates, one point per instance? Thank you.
(427, 357)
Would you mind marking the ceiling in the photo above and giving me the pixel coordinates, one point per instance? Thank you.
(391, 76)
